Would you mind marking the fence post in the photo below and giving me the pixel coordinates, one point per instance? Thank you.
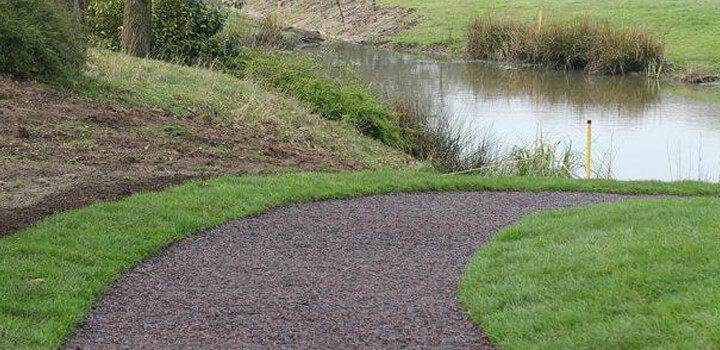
(540, 21)
(588, 150)
(278, 15)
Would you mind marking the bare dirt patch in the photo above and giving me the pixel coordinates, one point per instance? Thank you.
(61, 151)
(363, 20)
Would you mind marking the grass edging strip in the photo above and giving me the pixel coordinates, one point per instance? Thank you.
(51, 274)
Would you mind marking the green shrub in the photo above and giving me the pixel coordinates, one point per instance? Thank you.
(104, 21)
(40, 39)
(330, 97)
(183, 30)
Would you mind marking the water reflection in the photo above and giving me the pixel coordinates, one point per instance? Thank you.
(653, 130)
(630, 97)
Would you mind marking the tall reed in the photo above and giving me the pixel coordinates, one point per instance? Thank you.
(434, 138)
(577, 45)
(543, 158)
(451, 149)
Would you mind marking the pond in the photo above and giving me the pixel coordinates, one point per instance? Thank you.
(646, 129)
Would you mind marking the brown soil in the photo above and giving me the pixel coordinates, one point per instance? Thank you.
(363, 20)
(60, 151)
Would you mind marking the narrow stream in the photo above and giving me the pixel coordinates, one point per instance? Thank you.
(645, 128)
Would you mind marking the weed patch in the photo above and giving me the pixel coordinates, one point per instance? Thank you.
(176, 130)
(87, 143)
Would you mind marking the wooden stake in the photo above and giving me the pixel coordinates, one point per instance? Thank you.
(278, 15)
(588, 155)
(540, 21)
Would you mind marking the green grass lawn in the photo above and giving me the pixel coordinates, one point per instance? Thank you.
(688, 27)
(51, 274)
(626, 275)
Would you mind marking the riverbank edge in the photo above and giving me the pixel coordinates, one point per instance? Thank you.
(676, 74)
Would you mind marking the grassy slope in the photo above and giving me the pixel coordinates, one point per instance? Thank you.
(689, 27)
(51, 274)
(185, 90)
(627, 275)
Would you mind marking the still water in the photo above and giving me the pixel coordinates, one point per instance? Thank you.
(646, 129)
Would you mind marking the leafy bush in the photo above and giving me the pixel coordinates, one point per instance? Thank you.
(183, 30)
(332, 98)
(40, 40)
(105, 20)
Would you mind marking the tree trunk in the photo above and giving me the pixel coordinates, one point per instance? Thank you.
(136, 38)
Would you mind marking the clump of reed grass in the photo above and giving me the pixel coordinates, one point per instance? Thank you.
(267, 34)
(263, 33)
(434, 138)
(498, 39)
(451, 149)
(695, 74)
(543, 158)
(576, 45)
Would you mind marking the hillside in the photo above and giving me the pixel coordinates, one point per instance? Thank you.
(134, 125)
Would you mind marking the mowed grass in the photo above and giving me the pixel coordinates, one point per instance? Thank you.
(688, 28)
(626, 275)
(51, 274)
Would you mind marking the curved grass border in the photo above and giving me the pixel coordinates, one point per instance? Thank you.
(641, 274)
(52, 274)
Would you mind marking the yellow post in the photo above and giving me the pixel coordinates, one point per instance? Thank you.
(540, 21)
(278, 14)
(588, 154)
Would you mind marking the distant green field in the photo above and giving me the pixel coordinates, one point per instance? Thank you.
(689, 28)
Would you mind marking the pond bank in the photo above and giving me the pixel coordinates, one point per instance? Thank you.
(403, 27)
(644, 128)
